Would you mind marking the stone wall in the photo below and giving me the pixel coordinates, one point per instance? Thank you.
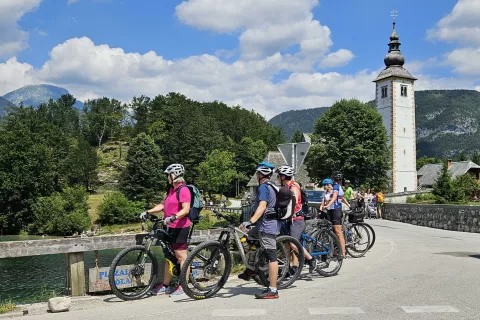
(402, 197)
(449, 217)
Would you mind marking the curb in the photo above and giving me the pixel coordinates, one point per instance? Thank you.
(11, 315)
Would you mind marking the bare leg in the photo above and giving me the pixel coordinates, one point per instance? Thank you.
(273, 273)
(339, 233)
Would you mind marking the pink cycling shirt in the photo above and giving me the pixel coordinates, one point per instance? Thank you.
(172, 206)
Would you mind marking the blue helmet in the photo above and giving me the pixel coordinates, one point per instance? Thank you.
(327, 181)
(265, 168)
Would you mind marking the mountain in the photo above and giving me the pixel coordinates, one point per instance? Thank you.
(448, 121)
(34, 95)
(4, 103)
(303, 120)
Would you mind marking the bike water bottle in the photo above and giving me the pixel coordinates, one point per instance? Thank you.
(246, 246)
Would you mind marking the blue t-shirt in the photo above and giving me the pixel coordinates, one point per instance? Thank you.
(266, 193)
(338, 203)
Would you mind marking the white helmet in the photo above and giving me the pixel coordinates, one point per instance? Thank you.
(265, 168)
(175, 169)
(285, 171)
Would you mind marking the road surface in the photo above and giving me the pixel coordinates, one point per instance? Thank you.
(411, 273)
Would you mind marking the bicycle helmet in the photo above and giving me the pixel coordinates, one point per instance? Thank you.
(285, 171)
(176, 170)
(347, 181)
(337, 175)
(327, 181)
(265, 168)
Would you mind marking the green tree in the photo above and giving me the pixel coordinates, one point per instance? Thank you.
(143, 178)
(248, 155)
(81, 165)
(297, 136)
(476, 158)
(444, 188)
(102, 118)
(350, 137)
(61, 213)
(217, 171)
(422, 161)
(117, 209)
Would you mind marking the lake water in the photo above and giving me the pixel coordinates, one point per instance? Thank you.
(28, 278)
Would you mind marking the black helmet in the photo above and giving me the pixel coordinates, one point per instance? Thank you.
(337, 176)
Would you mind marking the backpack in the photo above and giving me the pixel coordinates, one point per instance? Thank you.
(285, 202)
(195, 202)
(380, 197)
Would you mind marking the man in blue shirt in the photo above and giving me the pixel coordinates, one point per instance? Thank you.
(267, 229)
(335, 214)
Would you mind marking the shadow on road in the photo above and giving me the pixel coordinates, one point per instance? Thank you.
(460, 254)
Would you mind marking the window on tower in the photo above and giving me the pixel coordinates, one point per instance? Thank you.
(403, 91)
(385, 92)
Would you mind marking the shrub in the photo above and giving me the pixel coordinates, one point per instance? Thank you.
(117, 209)
(62, 213)
(422, 198)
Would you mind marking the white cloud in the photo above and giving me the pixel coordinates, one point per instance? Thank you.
(461, 25)
(266, 27)
(465, 61)
(339, 58)
(12, 38)
(14, 75)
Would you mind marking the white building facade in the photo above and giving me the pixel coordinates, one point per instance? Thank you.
(395, 97)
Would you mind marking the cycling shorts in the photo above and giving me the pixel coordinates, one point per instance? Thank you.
(296, 228)
(178, 238)
(335, 216)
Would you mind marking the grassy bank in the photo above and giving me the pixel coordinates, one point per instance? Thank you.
(7, 306)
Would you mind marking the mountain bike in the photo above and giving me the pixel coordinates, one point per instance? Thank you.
(323, 245)
(357, 235)
(208, 266)
(134, 271)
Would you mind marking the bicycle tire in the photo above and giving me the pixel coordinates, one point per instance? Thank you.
(353, 252)
(213, 289)
(282, 282)
(372, 235)
(116, 260)
(336, 246)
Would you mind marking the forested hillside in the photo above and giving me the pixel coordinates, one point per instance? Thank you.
(447, 122)
(50, 156)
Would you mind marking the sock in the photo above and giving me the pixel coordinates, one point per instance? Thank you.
(273, 289)
(165, 285)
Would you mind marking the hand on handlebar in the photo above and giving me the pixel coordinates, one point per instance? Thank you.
(245, 225)
(144, 216)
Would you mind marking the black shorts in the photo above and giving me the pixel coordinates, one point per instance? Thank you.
(178, 235)
(296, 228)
(335, 216)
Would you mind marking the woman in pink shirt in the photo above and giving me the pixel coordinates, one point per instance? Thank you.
(176, 222)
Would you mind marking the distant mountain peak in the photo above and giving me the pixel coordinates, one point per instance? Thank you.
(34, 95)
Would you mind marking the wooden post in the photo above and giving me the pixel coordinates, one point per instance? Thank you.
(75, 274)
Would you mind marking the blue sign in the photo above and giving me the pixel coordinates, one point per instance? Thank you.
(315, 196)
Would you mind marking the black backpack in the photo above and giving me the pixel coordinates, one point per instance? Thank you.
(284, 204)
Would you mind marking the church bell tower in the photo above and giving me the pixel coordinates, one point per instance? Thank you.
(395, 97)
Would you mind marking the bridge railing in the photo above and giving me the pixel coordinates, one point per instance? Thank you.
(74, 248)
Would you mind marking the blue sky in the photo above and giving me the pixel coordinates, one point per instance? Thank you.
(267, 55)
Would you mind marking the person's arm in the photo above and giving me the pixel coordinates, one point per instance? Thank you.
(185, 210)
(262, 206)
(346, 202)
(157, 209)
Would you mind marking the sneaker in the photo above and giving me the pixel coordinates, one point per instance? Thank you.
(312, 265)
(159, 290)
(267, 294)
(177, 292)
(246, 275)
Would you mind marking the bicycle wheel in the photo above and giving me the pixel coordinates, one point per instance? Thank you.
(330, 263)
(372, 235)
(208, 267)
(133, 273)
(290, 262)
(358, 240)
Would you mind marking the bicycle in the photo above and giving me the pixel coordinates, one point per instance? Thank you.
(355, 234)
(134, 277)
(323, 245)
(212, 259)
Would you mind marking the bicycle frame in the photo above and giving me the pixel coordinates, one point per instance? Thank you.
(306, 237)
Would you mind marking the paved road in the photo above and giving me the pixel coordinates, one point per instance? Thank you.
(411, 273)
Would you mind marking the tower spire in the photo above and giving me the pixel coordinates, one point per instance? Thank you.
(394, 56)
